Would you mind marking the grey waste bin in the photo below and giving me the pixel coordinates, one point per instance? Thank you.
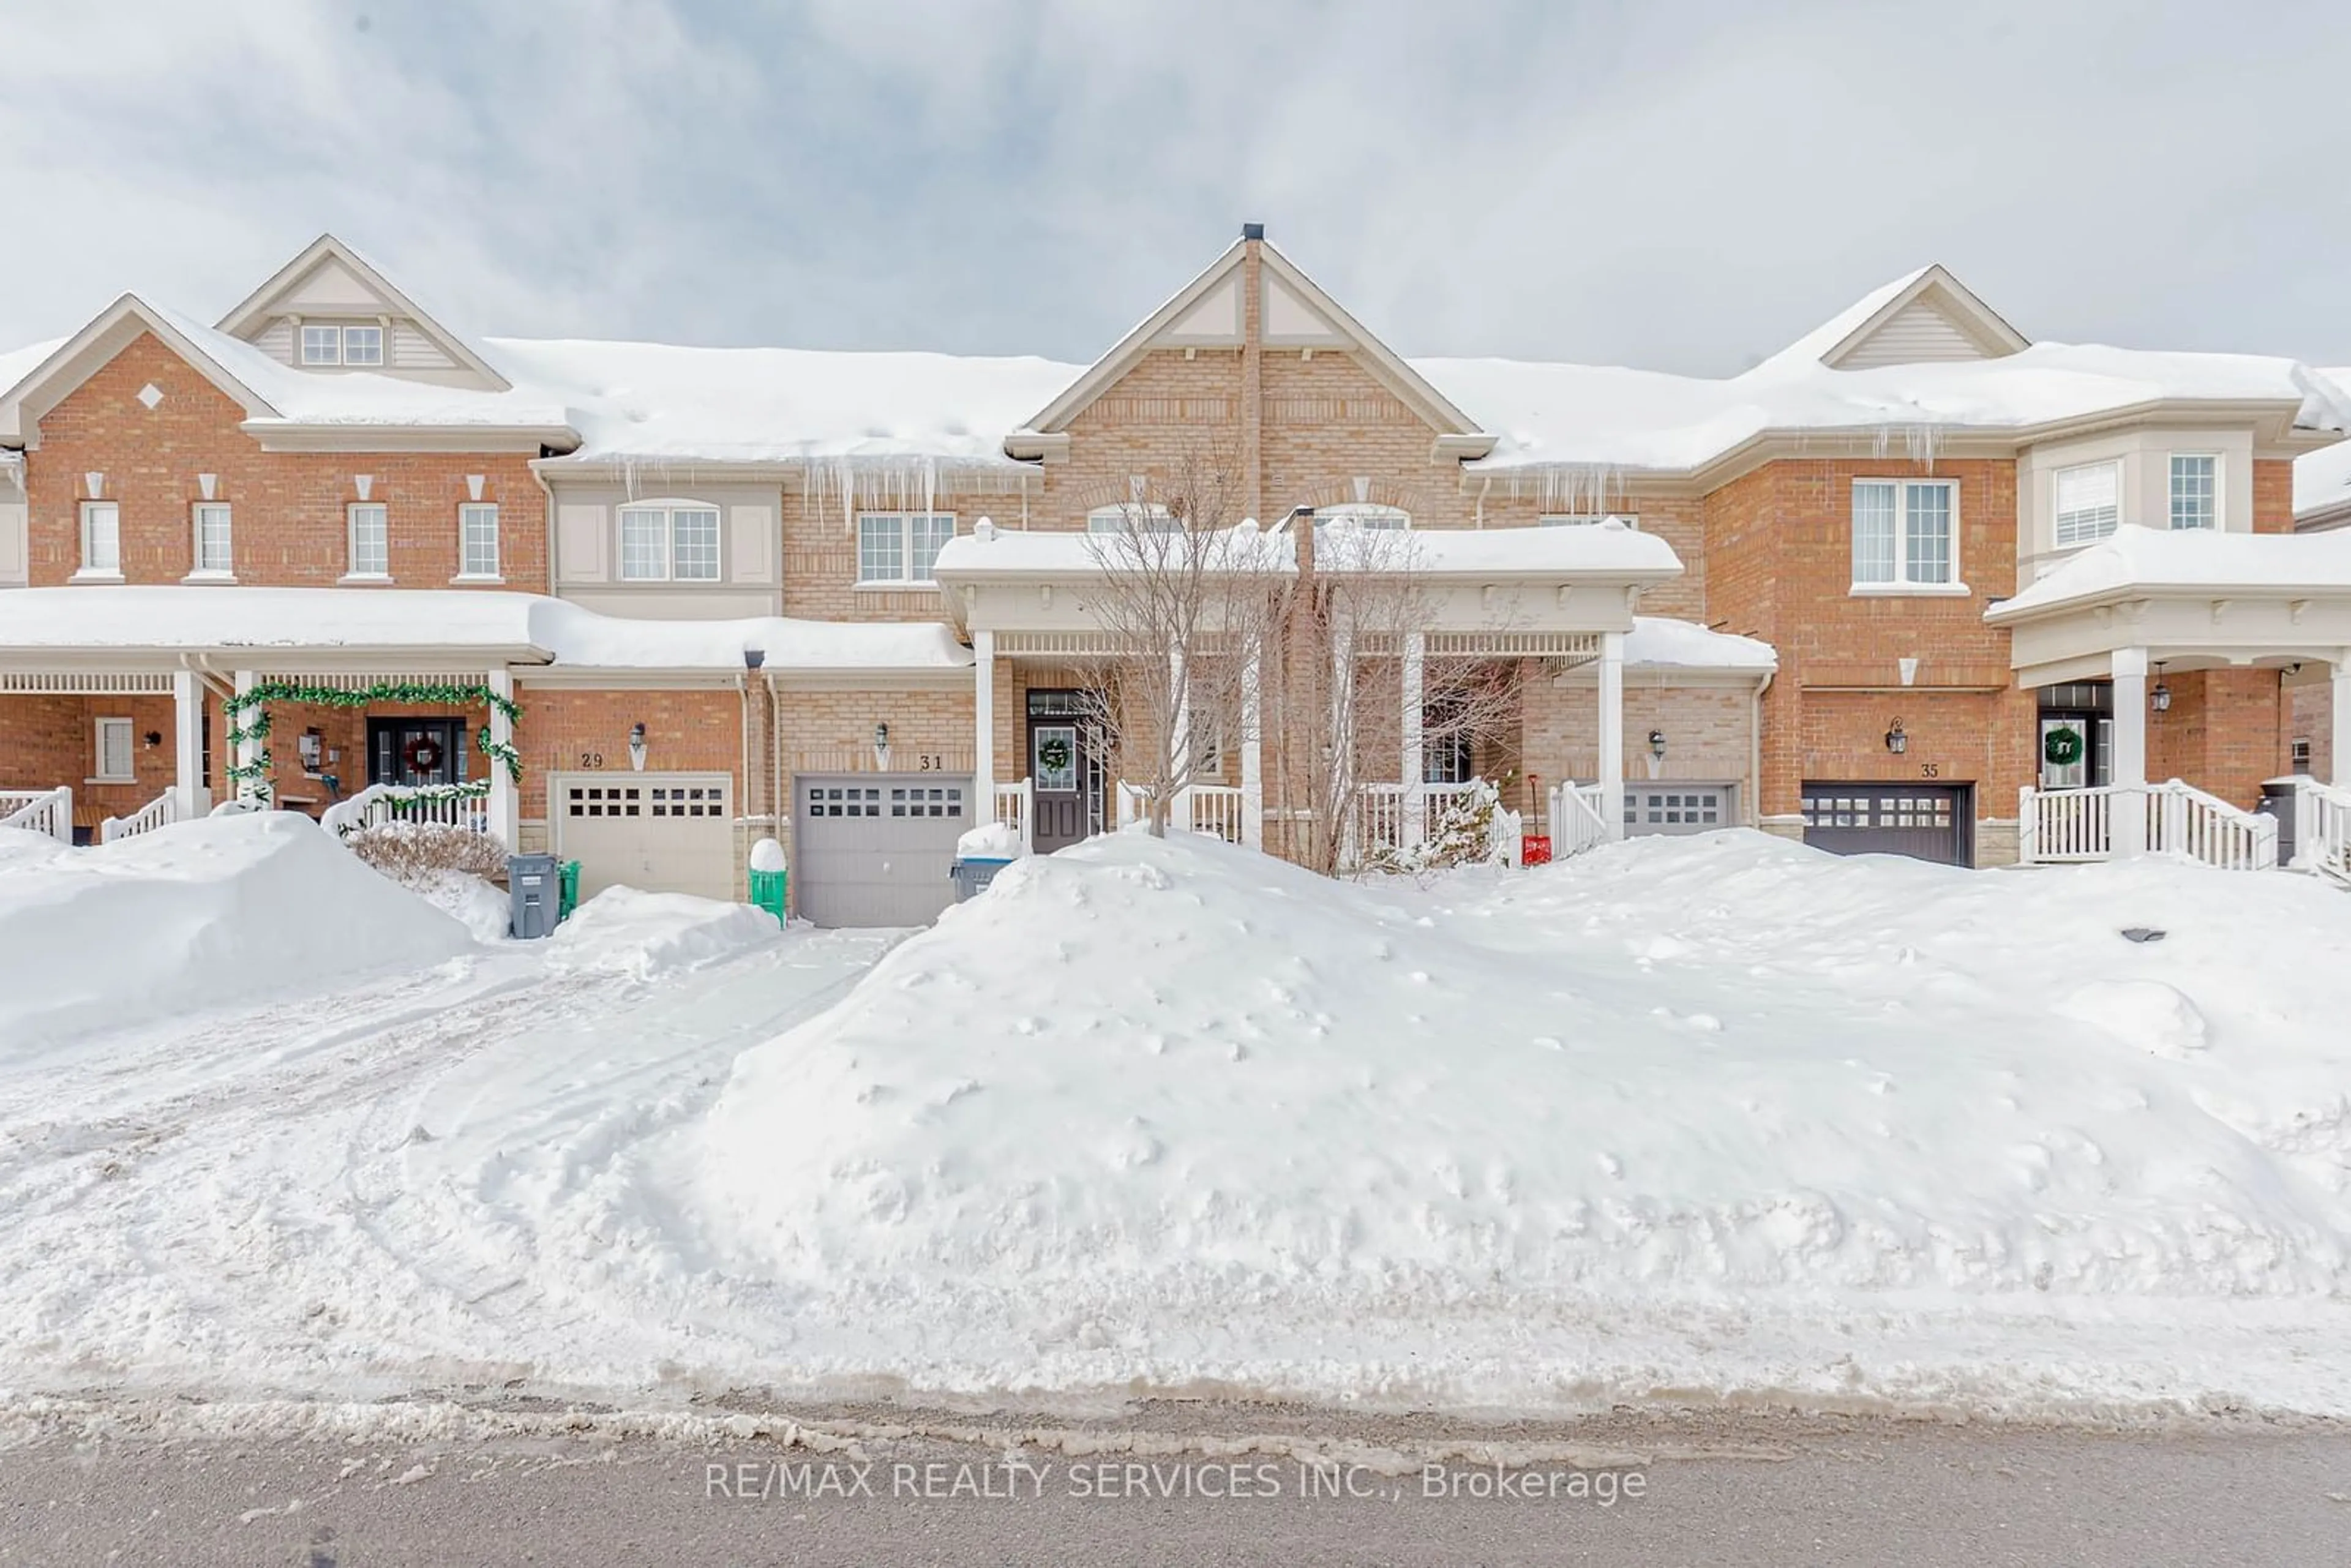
(972, 876)
(2277, 802)
(534, 893)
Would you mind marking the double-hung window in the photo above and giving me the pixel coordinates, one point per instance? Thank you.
(669, 544)
(113, 758)
(212, 557)
(101, 539)
(1906, 533)
(2195, 490)
(370, 530)
(477, 539)
(900, 547)
(2089, 503)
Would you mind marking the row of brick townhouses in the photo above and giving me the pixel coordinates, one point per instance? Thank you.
(1892, 589)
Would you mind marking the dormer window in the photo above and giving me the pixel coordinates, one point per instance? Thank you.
(325, 343)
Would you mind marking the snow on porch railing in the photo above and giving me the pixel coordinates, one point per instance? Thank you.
(447, 805)
(1015, 806)
(1578, 821)
(1213, 809)
(46, 811)
(2060, 826)
(162, 811)
(2322, 829)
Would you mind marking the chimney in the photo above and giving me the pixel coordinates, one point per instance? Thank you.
(1252, 231)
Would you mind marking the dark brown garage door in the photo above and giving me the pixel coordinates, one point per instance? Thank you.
(1928, 822)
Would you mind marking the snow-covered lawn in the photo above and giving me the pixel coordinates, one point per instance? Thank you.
(1706, 1117)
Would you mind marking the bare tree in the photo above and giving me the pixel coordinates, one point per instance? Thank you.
(1188, 590)
(1356, 628)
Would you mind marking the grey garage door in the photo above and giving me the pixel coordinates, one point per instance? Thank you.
(872, 849)
(1675, 808)
(1927, 822)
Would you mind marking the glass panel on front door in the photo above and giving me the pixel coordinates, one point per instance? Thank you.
(2064, 752)
(1054, 757)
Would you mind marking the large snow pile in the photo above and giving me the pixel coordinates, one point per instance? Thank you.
(1166, 1109)
(624, 930)
(216, 911)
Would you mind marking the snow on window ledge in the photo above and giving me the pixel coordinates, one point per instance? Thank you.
(86, 575)
(896, 585)
(210, 577)
(1910, 590)
(112, 778)
(362, 579)
(475, 578)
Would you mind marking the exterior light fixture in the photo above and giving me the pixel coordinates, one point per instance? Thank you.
(637, 746)
(2160, 697)
(1896, 741)
(881, 738)
(1658, 744)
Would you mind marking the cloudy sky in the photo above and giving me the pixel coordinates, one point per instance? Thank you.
(1682, 187)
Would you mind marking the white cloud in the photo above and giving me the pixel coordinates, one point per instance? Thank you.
(1654, 186)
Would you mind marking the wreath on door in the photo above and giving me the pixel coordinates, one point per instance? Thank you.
(2063, 746)
(422, 754)
(1053, 753)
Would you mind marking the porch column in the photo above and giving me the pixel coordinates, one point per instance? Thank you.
(1612, 732)
(502, 784)
(983, 719)
(2127, 834)
(2339, 735)
(1252, 757)
(248, 751)
(1412, 770)
(191, 798)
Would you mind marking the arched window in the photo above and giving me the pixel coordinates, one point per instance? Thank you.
(1364, 515)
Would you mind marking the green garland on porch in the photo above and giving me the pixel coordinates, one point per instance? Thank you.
(248, 719)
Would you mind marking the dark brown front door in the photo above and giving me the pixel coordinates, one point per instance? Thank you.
(1058, 768)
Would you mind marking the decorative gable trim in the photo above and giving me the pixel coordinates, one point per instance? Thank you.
(1935, 316)
(262, 308)
(1208, 312)
(81, 356)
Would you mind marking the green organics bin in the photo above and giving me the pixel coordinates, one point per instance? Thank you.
(767, 877)
(568, 879)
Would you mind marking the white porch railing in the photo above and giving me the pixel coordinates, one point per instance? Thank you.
(451, 806)
(2057, 827)
(46, 811)
(1014, 806)
(1578, 821)
(2322, 828)
(1217, 809)
(162, 811)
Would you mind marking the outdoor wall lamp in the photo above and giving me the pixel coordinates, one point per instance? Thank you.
(1658, 744)
(637, 746)
(881, 738)
(1896, 741)
(154, 738)
(2160, 697)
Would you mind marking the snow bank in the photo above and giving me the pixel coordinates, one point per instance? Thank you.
(990, 841)
(623, 930)
(217, 911)
(479, 906)
(1152, 1090)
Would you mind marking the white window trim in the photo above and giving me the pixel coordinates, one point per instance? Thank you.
(197, 571)
(1370, 515)
(350, 543)
(2219, 490)
(342, 331)
(1957, 587)
(85, 572)
(302, 329)
(383, 345)
(497, 551)
(669, 509)
(2056, 543)
(906, 554)
(98, 773)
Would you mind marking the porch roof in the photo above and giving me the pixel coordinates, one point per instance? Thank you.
(2188, 598)
(139, 626)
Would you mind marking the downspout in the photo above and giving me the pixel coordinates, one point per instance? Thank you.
(1484, 485)
(1755, 749)
(549, 491)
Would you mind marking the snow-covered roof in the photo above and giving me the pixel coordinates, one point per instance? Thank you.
(1661, 643)
(2136, 558)
(520, 627)
(1609, 417)
(749, 405)
(1603, 549)
(2322, 479)
(1020, 553)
